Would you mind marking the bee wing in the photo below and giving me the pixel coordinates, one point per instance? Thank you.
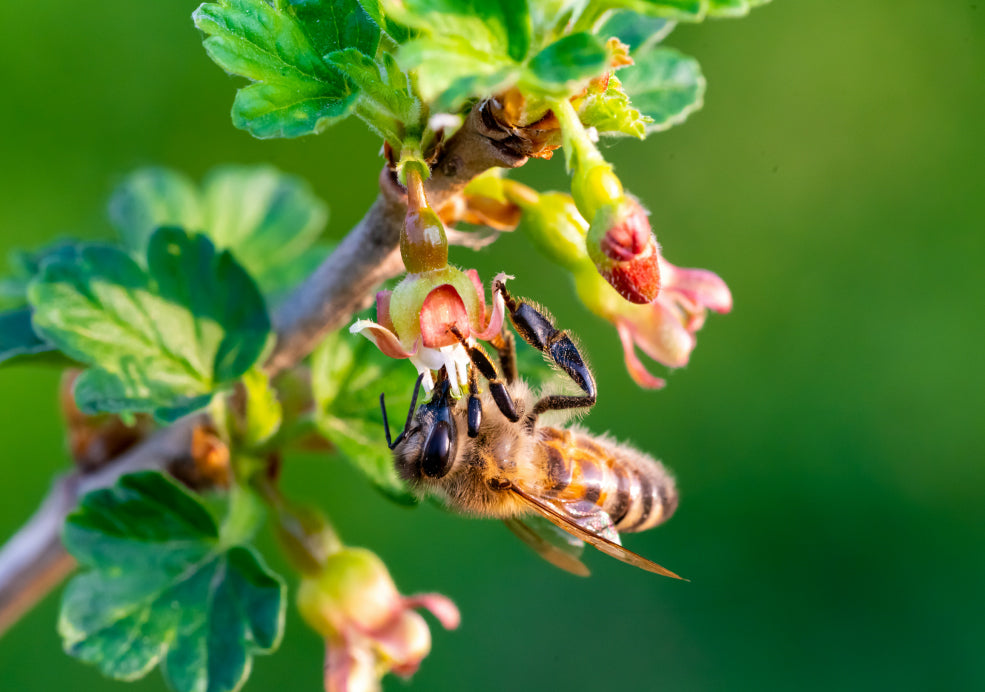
(564, 555)
(556, 514)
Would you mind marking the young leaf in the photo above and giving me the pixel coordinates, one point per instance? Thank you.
(18, 338)
(296, 93)
(347, 377)
(637, 31)
(263, 410)
(492, 27)
(574, 58)
(336, 25)
(162, 588)
(684, 10)
(385, 100)
(267, 219)
(664, 85)
(161, 339)
(609, 110)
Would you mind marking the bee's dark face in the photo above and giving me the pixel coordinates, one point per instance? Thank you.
(431, 445)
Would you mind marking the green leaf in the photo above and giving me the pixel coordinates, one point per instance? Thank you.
(684, 10)
(348, 374)
(25, 265)
(733, 8)
(296, 92)
(150, 198)
(450, 70)
(161, 339)
(336, 25)
(564, 63)
(18, 338)
(664, 85)
(267, 219)
(397, 32)
(263, 410)
(385, 101)
(609, 111)
(493, 27)
(161, 588)
(636, 30)
(466, 49)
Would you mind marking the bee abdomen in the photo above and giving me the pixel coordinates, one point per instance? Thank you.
(646, 495)
(636, 491)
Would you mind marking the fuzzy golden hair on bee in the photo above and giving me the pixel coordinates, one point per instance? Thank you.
(489, 454)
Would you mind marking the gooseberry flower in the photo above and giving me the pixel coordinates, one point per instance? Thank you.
(415, 321)
(665, 330)
(419, 318)
(370, 629)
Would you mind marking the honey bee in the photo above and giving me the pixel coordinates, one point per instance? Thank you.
(504, 465)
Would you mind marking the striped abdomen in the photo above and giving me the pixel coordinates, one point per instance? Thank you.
(636, 491)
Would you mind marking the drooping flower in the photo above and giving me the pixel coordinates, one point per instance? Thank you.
(419, 318)
(370, 629)
(415, 321)
(666, 329)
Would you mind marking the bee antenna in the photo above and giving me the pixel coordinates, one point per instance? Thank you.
(410, 414)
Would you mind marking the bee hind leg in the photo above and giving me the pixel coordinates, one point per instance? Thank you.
(538, 330)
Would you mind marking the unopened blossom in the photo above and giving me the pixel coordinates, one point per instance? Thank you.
(369, 628)
(619, 240)
(665, 328)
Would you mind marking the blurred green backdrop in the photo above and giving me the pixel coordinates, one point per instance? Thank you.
(828, 436)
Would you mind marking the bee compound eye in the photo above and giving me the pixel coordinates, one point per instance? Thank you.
(438, 454)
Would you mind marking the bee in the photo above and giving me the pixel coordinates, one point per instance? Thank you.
(504, 465)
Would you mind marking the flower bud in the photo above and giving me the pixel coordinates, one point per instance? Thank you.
(423, 242)
(625, 251)
(595, 186)
(369, 627)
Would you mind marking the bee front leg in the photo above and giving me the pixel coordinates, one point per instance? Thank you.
(481, 362)
(505, 346)
(538, 330)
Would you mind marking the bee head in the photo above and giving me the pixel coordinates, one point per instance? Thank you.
(432, 444)
(438, 452)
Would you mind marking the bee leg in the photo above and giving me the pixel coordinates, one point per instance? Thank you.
(481, 362)
(475, 405)
(505, 346)
(539, 331)
(410, 414)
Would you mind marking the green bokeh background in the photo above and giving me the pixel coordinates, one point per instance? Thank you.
(828, 436)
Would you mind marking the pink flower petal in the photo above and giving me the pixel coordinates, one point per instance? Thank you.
(349, 667)
(495, 325)
(439, 606)
(442, 309)
(701, 286)
(383, 310)
(474, 276)
(661, 335)
(384, 339)
(636, 369)
(404, 642)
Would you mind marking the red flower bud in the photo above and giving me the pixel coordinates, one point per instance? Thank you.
(625, 251)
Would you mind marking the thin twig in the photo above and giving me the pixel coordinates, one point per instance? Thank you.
(33, 561)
